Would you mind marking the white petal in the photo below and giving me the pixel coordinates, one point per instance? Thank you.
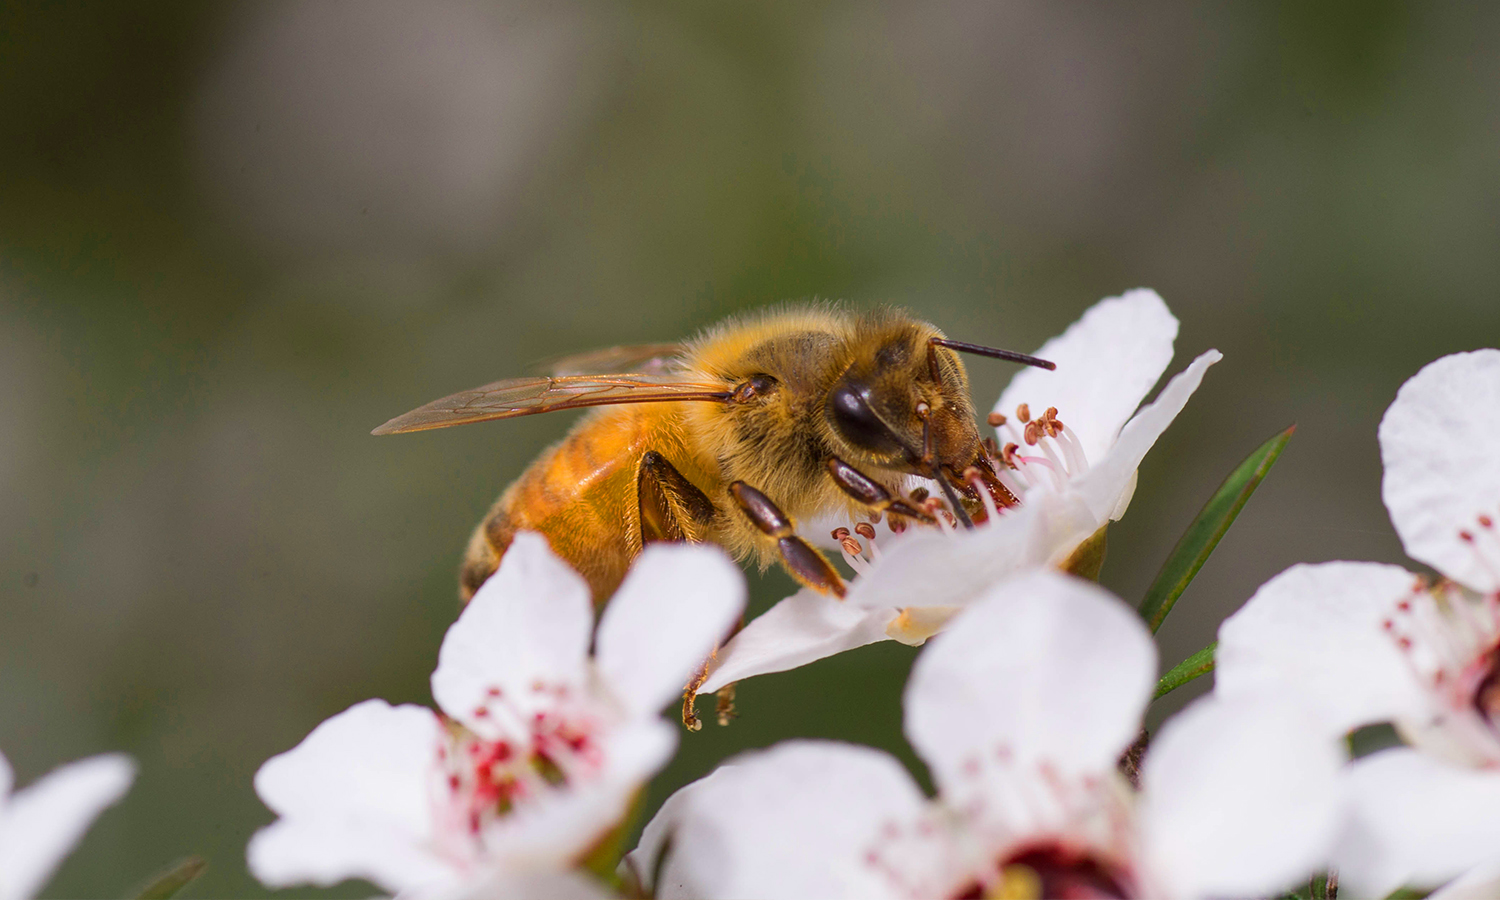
(804, 627)
(643, 864)
(1440, 442)
(1420, 821)
(638, 750)
(1106, 363)
(323, 852)
(936, 569)
(1052, 668)
(1107, 485)
(1314, 633)
(1240, 798)
(365, 768)
(674, 607)
(531, 621)
(1479, 883)
(793, 821)
(42, 822)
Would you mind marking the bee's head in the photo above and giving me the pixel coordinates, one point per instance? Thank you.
(903, 402)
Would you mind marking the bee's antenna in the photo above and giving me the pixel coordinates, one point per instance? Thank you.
(993, 353)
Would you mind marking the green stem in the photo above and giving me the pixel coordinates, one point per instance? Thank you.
(1200, 663)
(167, 883)
(1203, 535)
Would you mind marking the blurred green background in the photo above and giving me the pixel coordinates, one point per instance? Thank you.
(233, 238)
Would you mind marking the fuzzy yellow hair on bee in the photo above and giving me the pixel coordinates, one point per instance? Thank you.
(733, 437)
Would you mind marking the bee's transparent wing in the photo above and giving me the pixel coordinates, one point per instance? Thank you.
(525, 396)
(638, 359)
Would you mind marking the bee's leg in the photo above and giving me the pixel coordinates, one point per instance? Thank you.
(672, 508)
(724, 708)
(805, 563)
(871, 492)
(690, 719)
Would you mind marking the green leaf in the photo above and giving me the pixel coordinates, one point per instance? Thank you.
(174, 879)
(1203, 535)
(1200, 663)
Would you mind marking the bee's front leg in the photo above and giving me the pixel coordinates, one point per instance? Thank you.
(871, 492)
(805, 563)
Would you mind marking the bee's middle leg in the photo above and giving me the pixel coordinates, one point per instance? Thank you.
(805, 563)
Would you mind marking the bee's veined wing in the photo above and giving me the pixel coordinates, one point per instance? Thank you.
(642, 359)
(525, 396)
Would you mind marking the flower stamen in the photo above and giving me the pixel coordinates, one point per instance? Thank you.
(1450, 639)
(1485, 545)
(1061, 454)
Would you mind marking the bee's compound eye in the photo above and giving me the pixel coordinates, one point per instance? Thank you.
(753, 387)
(857, 423)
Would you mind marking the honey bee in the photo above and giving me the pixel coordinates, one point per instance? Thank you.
(733, 438)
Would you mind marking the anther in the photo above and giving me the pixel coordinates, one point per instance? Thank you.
(1486, 522)
(1032, 433)
(918, 495)
(1023, 412)
(851, 546)
(995, 419)
(840, 533)
(865, 530)
(1466, 537)
(1009, 457)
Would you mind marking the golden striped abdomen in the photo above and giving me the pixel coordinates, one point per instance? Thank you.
(580, 494)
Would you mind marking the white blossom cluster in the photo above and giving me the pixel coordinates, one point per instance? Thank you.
(1026, 703)
(1026, 699)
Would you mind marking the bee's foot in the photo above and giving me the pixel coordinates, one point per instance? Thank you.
(724, 705)
(690, 719)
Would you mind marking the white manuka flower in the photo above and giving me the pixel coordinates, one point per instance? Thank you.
(1069, 454)
(1365, 643)
(539, 750)
(1020, 711)
(39, 825)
